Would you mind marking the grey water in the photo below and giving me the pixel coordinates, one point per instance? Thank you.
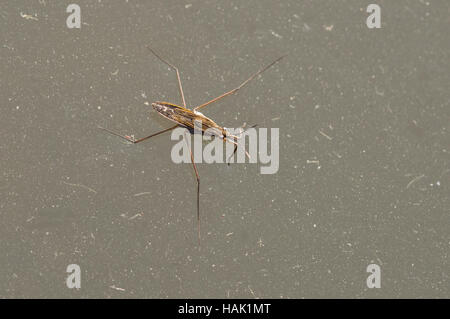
(364, 150)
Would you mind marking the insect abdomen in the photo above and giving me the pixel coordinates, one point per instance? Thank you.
(187, 118)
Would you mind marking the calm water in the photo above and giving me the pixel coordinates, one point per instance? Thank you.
(364, 150)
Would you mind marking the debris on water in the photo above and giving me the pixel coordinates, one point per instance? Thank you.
(82, 186)
(337, 154)
(306, 28)
(135, 216)
(140, 194)
(415, 179)
(28, 16)
(325, 135)
(251, 291)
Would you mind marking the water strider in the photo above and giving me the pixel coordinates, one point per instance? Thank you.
(187, 118)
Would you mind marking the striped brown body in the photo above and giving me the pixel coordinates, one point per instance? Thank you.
(187, 118)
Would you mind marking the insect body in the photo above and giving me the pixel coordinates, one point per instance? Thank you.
(185, 117)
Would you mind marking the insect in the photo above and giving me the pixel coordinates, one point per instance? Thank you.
(184, 117)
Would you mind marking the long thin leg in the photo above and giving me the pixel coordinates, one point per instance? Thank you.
(240, 86)
(236, 145)
(235, 140)
(229, 158)
(198, 187)
(131, 139)
(176, 69)
(192, 156)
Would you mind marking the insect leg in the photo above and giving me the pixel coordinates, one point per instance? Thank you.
(236, 146)
(240, 86)
(229, 158)
(236, 137)
(176, 69)
(131, 139)
(198, 187)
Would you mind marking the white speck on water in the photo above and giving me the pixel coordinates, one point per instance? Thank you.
(276, 34)
(188, 5)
